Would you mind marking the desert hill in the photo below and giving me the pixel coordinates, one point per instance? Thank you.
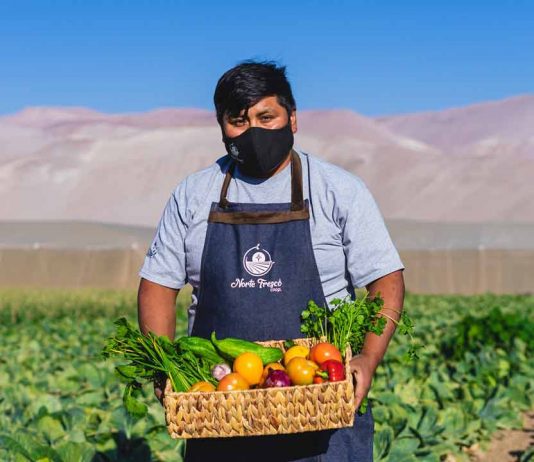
(464, 165)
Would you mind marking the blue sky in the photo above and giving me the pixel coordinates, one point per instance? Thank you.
(373, 57)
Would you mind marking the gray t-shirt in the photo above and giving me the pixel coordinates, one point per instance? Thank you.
(351, 244)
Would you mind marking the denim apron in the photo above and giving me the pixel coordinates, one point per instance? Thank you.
(258, 272)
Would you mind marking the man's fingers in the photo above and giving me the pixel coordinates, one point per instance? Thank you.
(361, 387)
(359, 391)
(363, 376)
(160, 395)
(158, 391)
(159, 387)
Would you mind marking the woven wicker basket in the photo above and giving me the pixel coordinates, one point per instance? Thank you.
(263, 411)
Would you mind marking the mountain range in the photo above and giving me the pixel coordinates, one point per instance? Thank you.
(472, 164)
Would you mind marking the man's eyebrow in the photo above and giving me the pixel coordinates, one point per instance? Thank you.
(265, 111)
(243, 114)
(237, 116)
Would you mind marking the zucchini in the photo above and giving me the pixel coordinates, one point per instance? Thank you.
(233, 347)
(200, 347)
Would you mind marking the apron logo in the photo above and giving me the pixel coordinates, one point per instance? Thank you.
(257, 262)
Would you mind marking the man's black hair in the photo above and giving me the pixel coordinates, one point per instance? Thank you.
(245, 84)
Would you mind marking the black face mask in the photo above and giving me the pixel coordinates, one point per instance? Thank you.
(259, 151)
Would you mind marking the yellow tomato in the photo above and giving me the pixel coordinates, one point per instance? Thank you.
(268, 368)
(202, 386)
(301, 371)
(231, 382)
(296, 351)
(250, 367)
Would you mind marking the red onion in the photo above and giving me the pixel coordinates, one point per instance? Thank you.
(277, 378)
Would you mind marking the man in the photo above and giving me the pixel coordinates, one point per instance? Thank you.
(266, 213)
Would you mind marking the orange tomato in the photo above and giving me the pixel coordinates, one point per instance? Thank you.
(250, 367)
(268, 368)
(231, 382)
(201, 386)
(323, 352)
(297, 351)
(301, 371)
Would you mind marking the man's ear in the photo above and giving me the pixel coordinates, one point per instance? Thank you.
(293, 121)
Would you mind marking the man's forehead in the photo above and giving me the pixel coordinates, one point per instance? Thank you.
(264, 104)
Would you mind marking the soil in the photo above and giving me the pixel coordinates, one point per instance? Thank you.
(507, 445)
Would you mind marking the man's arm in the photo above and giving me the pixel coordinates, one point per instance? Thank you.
(156, 308)
(391, 289)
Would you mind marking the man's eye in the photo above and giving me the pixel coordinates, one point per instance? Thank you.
(237, 122)
(266, 118)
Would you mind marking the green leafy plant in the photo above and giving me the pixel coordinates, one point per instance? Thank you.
(56, 391)
(148, 357)
(349, 321)
(495, 328)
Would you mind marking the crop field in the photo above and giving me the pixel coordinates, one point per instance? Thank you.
(60, 402)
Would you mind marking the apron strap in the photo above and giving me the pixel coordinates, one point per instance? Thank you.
(297, 198)
(298, 210)
(223, 201)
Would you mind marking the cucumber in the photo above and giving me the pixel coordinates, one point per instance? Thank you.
(233, 347)
(200, 347)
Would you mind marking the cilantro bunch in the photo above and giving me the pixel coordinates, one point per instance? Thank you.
(349, 321)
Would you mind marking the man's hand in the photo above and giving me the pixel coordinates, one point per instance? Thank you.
(159, 387)
(362, 369)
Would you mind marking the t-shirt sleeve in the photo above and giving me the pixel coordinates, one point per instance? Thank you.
(370, 253)
(165, 262)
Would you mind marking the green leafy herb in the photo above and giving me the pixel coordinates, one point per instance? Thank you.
(289, 343)
(350, 321)
(134, 407)
(149, 357)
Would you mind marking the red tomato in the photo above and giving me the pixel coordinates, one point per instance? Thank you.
(323, 352)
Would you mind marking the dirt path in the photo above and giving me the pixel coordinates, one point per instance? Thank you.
(507, 445)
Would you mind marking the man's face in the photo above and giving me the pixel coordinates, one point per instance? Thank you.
(266, 113)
